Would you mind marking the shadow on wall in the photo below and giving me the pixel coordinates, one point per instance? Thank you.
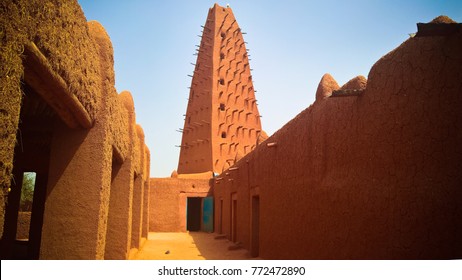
(67, 151)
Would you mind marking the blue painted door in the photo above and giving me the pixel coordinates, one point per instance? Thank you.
(207, 214)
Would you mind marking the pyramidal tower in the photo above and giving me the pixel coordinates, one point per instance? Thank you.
(222, 122)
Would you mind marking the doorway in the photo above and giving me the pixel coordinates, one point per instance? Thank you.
(220, 220)
(255, 242)
(193, 213)
(26, 201)
(199, 214)
(207, 214)
(234, 217)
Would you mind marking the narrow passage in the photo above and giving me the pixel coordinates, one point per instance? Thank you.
(189, 246)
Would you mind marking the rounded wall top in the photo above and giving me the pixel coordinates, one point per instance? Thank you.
(326, 86)
(97, 29)
(105, 49)
(358, 82)
(146, 149)
(139, 131)
(126, 99)
(442, 19)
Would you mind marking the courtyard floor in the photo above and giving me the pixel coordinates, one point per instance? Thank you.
(189, 246)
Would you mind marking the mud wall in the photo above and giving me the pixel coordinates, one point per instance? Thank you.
(85, 160)
(168, 202)
(59, 30)
(374, 176)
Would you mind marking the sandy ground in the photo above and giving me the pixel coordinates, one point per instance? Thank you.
(188, 246)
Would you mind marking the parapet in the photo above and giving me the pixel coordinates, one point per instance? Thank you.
(439, 26)
(326, 86)
(126, 99)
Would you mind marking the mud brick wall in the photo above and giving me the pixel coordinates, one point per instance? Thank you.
(168, 201)
(373, 176)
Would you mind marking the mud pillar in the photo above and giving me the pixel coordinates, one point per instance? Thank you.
(118, 235)
(145, 223)
(138, 189)
(146, 197)
(137, 211)
(74, 224)
(120, 211)
(11, 215)
(182, 205)
(10, 107)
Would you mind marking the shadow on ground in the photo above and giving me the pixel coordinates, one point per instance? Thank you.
(215, 247)
(189, 246)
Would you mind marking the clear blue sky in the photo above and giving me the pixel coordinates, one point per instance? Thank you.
(292, 44)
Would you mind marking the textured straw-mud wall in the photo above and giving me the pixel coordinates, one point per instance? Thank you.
(10, 93)
(375, 176)
(60, 31)
(116, 117)
(81, 55)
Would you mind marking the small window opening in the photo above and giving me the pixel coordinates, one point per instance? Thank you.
(25, 205)
(222, 56)
(222, 107)
(222, 81)
(223, 134)
(223, 35)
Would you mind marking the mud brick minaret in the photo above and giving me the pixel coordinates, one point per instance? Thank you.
(222, 122)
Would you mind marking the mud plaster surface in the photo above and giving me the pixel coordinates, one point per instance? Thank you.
(369, 177)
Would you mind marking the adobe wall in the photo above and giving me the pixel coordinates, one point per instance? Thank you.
(119, 227)
(95, 150)
(147, 194)
(374, 176)
(168, 201)
(101, 166)
(40, 22)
